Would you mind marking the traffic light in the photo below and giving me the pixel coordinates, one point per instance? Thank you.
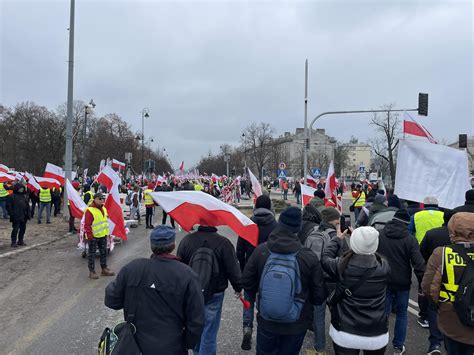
(423, 104)
(463, 141)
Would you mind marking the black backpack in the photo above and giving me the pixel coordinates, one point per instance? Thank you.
(464, 298)
(205, 264)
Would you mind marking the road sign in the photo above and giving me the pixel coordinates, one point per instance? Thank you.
(361, 169)
(282, 166)
(316, 172)
(282, 174)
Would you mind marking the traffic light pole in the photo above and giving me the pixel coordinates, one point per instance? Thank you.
(309, 129)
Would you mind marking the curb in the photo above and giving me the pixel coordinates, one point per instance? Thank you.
(18, 251)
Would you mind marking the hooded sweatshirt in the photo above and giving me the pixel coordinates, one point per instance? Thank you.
(17, 205)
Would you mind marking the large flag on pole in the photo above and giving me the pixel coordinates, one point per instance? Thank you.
(311, 181)
(111, 180)
(4, 168)
(308, 193)
(48, 183)
(118, 164)
(257, 189)
(54, 172)
(76, 204)
(4, 177)
(330, 188)
(32, 183)
(189, 208)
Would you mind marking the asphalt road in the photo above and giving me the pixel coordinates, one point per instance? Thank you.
(50, 306)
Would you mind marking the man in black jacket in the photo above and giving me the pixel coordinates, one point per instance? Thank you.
(264, 217)
(469, 204)
(403, 254)
(164, 296)
(277, 337)
(229, 270)
(18, 210)
(311, 220)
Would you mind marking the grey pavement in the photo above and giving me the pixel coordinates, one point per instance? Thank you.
(50, 306)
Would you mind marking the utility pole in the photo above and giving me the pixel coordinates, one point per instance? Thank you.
(70, 88)
(145, 114)
(306, 135)
(84, 132)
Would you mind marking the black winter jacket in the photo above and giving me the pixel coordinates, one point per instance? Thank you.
(363, 313)
(229, 269)
(402, 253)
(436, 237)
(17, 206)
(283, 241)
(311, 219)
(265, 220)
(167, 300)
(467, 207)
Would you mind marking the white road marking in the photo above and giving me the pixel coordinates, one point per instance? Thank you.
(413, 303)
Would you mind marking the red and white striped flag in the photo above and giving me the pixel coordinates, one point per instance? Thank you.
(102, 164)
(189, 208)
(4, 177)
(416, 129)
(4, 168)
(110, 179)
(311, 181)
(257, 189)
(181, 167)
(76, 204)
(330, 188)
(32, 184)
(48, 183)
(118, 164)
(308, 193)
(54, 172)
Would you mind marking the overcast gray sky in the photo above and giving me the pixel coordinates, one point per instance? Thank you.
(208, 69)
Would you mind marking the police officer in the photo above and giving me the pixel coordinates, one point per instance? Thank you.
(96, 228)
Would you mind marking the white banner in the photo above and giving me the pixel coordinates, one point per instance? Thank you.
(426, 169)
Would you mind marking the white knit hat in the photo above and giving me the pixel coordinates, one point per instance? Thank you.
(364, 240)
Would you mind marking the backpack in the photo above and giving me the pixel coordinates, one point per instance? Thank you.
(128, 199)
(205, 264)
(317, 240)
(279, 294)
(380, 219)
(464, 298)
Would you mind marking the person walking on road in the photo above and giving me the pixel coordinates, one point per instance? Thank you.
(149, 206)
(96, 227)
(358, 319)
(444, 273)
(18, 209)
(225, 266)
(288, 280)
(45, 203)
(264, 217)
(358, 200)
(135, 206)
(161, 296)
(297, 191)
(403, 254)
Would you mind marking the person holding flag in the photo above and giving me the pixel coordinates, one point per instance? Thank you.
(96, 226)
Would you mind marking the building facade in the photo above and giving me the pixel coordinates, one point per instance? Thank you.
(470, 152)
(358, 154)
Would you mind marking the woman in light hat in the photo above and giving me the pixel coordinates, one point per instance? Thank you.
(358, 320)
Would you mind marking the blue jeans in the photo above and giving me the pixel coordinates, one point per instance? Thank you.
(435, 337)
(356, 213)
(319, 315)
(248, 314)
(269, 343)
(3, 205)
(42, 206)
(401, 303)
(213, 309)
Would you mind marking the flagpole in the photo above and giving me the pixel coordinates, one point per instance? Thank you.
(306, 138)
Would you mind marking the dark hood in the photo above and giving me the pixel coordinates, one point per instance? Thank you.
(17, 187)
(325, 225)
(283, 241)
(396, 230)
(311, 214)
(262, 216)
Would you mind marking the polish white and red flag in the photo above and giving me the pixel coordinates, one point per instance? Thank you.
(54, 172)
(412, 128)
(308, 193)
(181, 166)
(330, 188)
(47, 182)
(190, 208)
(76, 204)
(118, 164)
(111, 180)
(31, 184)
(214, 178)
(4, 177)
(311, 181)
(256, 188)
(4, 168)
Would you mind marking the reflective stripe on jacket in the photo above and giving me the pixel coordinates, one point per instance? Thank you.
(3, 191)
(45, 195)
(361, 201)
(100, 224)
(452, 263)
(426, 220)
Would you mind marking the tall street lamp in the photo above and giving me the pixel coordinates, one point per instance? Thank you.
(245, 153)
(145, 114)
(87, 110)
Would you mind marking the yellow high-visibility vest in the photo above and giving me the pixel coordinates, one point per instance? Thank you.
(426, 220)
(45, 195)
(91, 198)
(148, 200)
(361, 201)
(100, 224)
(450, 284)
(3, 190)
(198, 187)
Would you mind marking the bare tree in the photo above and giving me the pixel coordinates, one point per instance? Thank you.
(387, 126)
(341, 158)
(259, 141)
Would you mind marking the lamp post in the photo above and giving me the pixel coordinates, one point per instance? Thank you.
(145, 114)
(226, 158)
(87, 110)
(245, 153)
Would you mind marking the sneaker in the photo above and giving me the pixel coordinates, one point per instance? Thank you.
(399, 351)
(434, 349)
(23, 244)
(48, 222)
(247, 339)
(423, 323)
(107, 272)
(14, 245)
(93, 275)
